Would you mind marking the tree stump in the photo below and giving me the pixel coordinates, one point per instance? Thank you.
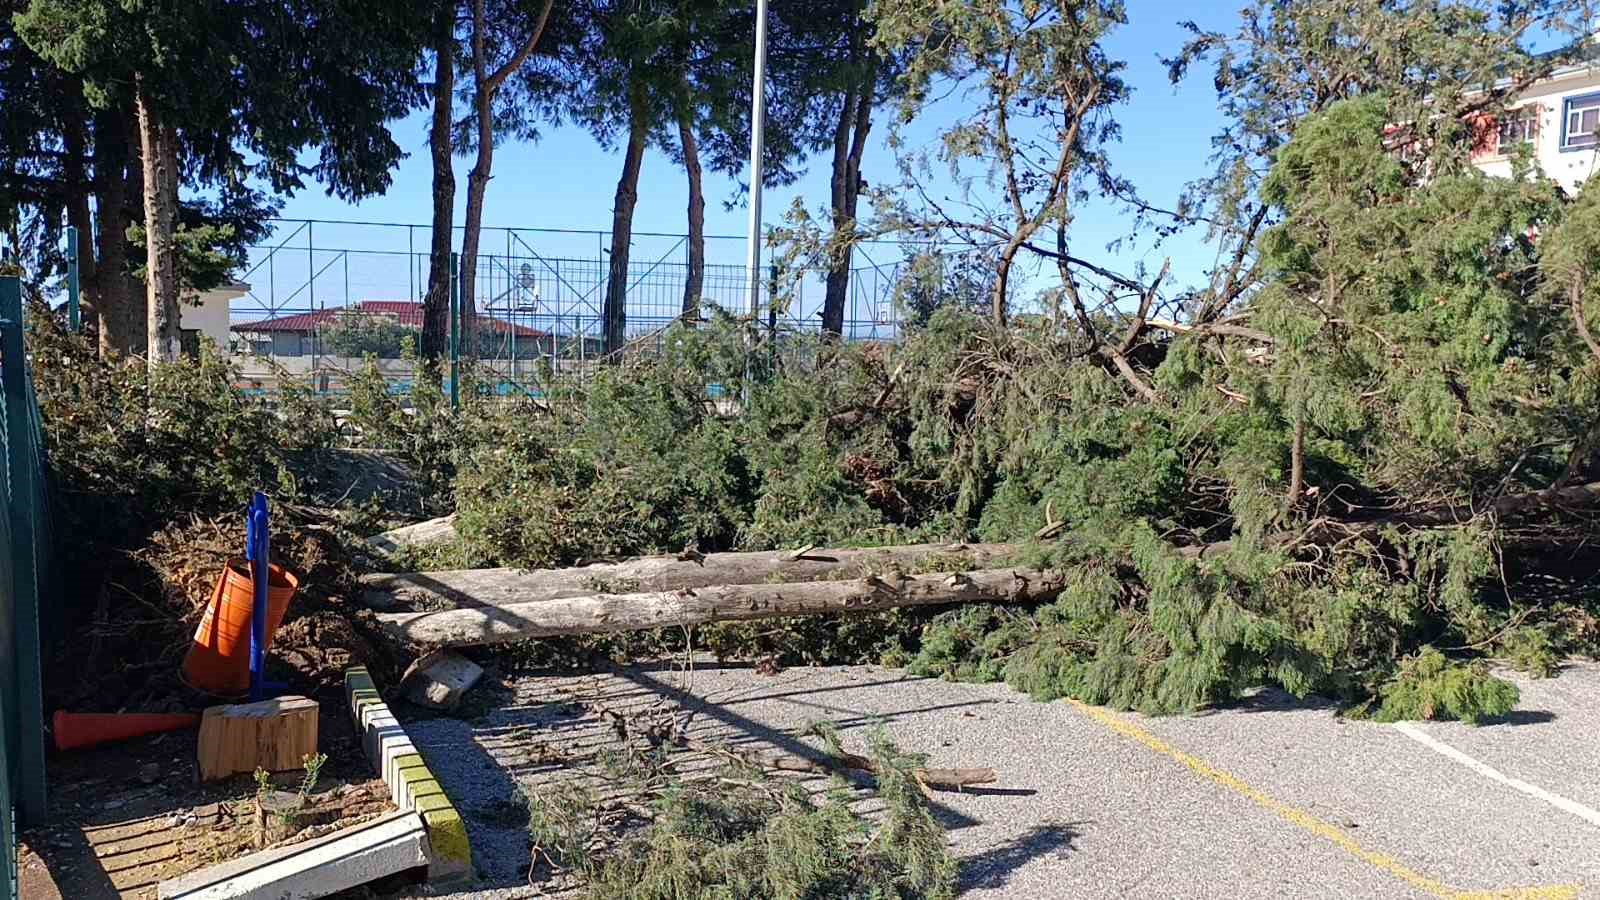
(277, 816)
(275, 735)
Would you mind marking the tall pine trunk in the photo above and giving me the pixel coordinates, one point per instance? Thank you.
(849, 145)
(477, 186)
(622, 225)
(477, 183)
(118, 191)
(158, 144)
(485, 85)
(694, 283)
(436, 303)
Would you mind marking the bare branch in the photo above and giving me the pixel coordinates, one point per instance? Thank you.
(493, 82)
(1214, 328)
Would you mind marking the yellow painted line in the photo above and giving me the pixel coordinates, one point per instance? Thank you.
(1304, 820)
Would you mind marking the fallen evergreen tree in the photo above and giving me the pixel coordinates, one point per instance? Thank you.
(1387, 447)
(1358, 461)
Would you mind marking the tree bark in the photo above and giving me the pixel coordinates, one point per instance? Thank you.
(118, 188)
(477, 182)
(498, 587)
(422, 534)
(159, 153)
(657, 609)
(436, 303)
(615, 313)
(486, 85)
(1297, 464)
(849, 143)
(1511, 505)
(694, 281)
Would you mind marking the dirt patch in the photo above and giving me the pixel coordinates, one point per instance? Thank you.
(129, 653)
(125, 817)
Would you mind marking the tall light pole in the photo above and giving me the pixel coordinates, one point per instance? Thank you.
(758, 124)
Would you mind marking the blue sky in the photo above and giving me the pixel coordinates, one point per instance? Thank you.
(566, 180)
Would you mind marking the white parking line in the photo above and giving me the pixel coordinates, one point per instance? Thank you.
(1562, 803)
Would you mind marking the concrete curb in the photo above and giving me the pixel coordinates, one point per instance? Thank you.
(316, 868)
(412, 786)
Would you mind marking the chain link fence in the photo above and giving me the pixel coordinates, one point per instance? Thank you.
(321, 296)
(24, 583)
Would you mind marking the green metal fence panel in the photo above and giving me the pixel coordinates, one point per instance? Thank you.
(74, 313)
(455, 331)
(24, 567)
(8, 821)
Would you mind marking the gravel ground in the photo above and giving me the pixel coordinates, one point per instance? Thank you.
(1272, 798)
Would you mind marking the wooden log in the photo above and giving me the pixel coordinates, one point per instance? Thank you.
(721, 603)
(275, 735)
(422, 534)
(440, 679)
(499, 587)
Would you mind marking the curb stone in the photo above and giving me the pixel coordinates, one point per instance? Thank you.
(412, 786)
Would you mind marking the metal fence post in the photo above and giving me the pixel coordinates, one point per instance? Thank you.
(24, 512)
(74, 317)
(455, 331)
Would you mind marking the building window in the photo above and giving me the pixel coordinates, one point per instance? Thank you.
(1521, 126)
(1581, 128)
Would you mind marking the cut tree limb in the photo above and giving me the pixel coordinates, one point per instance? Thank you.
(497, 587)
(1511, 505)
(596, 613)
(422, 534)
(275, 735)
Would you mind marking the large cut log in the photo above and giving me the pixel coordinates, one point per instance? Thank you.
(498, 587)
(722, 603)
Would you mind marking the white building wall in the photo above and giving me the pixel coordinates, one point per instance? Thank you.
(1569, 168)
(208, 314)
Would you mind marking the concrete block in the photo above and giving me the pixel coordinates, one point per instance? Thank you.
(336, 862)
(440, 679)
(412, 786)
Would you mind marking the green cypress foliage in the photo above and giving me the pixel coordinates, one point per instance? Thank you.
(744, 836)
(1416, 333)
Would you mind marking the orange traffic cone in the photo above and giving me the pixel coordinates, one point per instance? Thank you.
(75, 730)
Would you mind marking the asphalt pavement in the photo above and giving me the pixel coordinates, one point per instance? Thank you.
(1270, 798)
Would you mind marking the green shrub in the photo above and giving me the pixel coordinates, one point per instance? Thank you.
(420, 427)
(1532, 650)
(132, 449)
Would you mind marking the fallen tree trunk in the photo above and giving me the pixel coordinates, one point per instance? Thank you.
(498, 605)
(723, 603)
(499, 587)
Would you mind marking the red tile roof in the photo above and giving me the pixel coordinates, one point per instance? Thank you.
(405, 312)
